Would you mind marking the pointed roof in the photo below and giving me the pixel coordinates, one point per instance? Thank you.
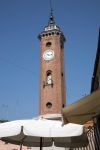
(51, 19)
(52, 28)
(51, 23)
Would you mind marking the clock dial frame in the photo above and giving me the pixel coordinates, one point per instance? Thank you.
(48, 54)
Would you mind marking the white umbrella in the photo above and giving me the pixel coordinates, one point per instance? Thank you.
(42, 133)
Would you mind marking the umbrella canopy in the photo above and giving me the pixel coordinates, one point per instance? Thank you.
(34, 132)
(83, 110)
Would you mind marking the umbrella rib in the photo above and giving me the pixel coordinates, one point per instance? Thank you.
(21, 143)
(23, 138)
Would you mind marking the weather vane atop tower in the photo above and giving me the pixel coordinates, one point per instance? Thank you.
(51, 8)
(51, 18)
(51, 26)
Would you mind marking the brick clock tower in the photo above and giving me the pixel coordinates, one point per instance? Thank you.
(52, 77)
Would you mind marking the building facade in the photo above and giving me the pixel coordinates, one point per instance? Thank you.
(94, 126)
(95, 84)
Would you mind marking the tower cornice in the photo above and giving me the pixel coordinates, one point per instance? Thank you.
(51, 29)
(53, 32)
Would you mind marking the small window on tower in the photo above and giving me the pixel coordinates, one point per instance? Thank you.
(49, 105)
(48, 44)
(49, 77)
(61, 45)
(63, 106)
(62, 74)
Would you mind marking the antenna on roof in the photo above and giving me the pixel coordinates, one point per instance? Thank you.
(51, 8)
(51, 18)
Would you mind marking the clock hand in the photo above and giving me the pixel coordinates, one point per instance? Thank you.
(49, 54)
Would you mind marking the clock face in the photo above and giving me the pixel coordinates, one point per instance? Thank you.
(48, 54)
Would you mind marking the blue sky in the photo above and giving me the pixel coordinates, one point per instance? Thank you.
(20, 23)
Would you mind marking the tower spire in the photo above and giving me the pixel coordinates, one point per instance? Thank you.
(51, 18)
(51, 8)
(51, 28)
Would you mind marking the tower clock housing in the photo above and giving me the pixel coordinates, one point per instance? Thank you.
(52, 76)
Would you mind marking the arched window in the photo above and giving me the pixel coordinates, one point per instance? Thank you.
(49, 77)
(49, 105)
(48, 44)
